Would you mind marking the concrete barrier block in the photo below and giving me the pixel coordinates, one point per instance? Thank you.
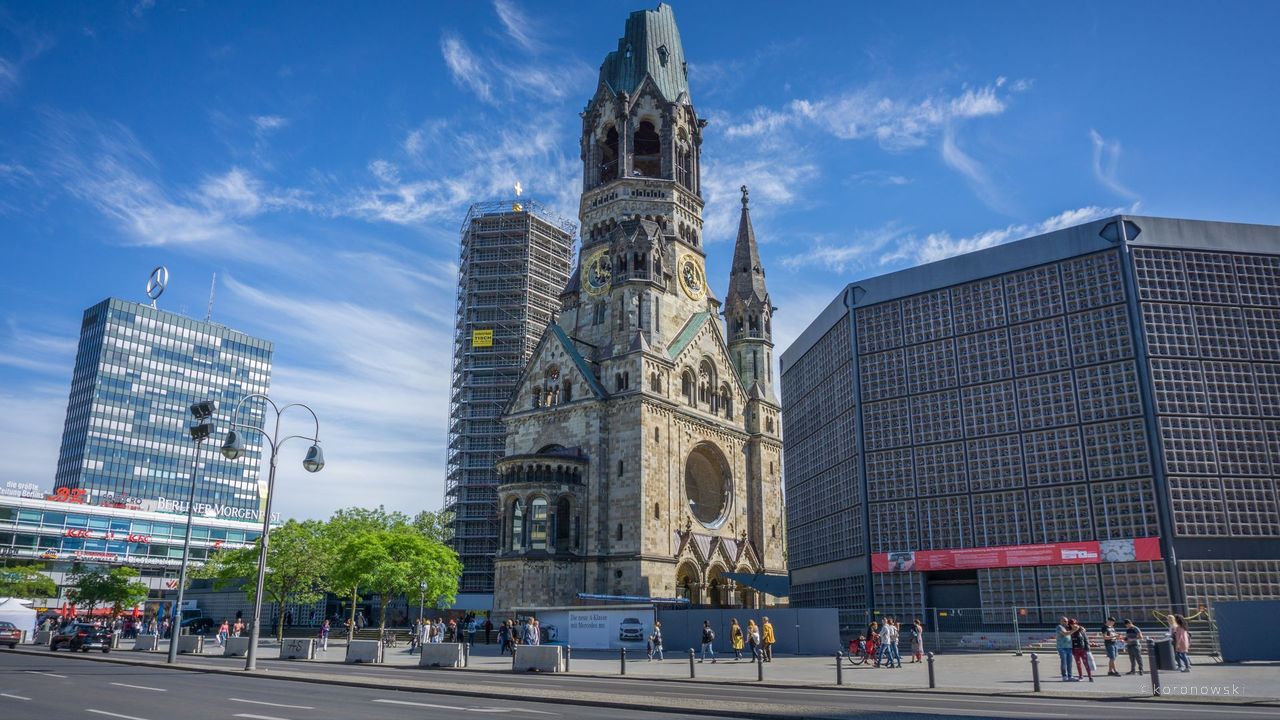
(298, 649)
(42, 637)
(191, 644)
(538, 658)
(364, 651)
(149, 643)
(440, 655)
(236, 647)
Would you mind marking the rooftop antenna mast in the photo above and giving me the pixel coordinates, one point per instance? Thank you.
(213, 285)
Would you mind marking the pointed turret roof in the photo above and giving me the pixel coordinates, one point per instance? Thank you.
(649, 46)
(746, 277)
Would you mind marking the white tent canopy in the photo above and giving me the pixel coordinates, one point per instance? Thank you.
(19, 612)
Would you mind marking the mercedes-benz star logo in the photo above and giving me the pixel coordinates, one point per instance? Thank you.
(157, 282)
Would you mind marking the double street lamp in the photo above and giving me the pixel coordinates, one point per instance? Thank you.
(200, 431)
(233, 448)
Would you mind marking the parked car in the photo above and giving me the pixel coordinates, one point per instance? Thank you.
(10, 635)
(82, 637)
(631, 629)
(199, 626)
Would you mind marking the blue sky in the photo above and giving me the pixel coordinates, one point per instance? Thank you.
(320, 157)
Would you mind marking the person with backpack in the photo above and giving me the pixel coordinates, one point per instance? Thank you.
(1133, 646)
(915, 633)
(708, 640)
(1181, 643)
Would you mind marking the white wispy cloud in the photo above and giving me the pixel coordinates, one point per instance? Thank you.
(774, 181)
(29, 44)
(975, 174)
(267, 123)
(893, 245)
(141, 7)
(893, 122)
(464, 67)
(878, 177)
(517, 24)
(1106, 163)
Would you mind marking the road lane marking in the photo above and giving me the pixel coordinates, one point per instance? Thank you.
(981, 713)
(271, 704)
(37, 672)
(140, 687)
(418, 704)
(258, 717)
(15, 697)
(111, 714)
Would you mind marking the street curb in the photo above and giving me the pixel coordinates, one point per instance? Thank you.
(711, 712)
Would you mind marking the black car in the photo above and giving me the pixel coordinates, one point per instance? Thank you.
(199, 626)
(82, 637)
(10, 634)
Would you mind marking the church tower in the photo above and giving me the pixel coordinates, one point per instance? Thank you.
(631, 464)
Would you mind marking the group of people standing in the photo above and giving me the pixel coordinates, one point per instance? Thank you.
(880, 642)
(760, 639)
(512, 633)
(1073, 643)
(226, 629)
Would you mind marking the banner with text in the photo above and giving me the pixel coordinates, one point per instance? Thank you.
(598, 628)
(1089, 552)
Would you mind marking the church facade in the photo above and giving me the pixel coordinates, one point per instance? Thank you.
(643, 453)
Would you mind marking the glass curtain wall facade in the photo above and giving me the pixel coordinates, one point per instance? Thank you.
(137, 371)
(1115, 384)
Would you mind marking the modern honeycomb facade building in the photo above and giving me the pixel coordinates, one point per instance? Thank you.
(1085, 419)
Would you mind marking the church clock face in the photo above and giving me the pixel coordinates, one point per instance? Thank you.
(597, 272)
(692, 279)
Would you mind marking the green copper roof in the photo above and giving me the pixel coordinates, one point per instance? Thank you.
(650, 45)
(687, 334)
(578, 362)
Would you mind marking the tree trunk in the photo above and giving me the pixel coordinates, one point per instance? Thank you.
(280, 622)
(351, 629)
(382, 613)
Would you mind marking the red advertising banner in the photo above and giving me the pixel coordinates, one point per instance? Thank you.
(1089, 552)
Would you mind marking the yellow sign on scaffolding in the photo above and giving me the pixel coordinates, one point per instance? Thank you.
(481, 338)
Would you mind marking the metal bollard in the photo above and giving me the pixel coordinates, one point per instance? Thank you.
(1035, 673)
(932, 684)
(1155, 668)
(692, 674)
(760, 669)
(568, 653)
(839, 668)
(622, 656)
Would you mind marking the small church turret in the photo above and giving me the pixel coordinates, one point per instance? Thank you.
(748, 312)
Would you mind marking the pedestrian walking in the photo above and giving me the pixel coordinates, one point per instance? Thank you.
(223, 629)
(530, 636)
(324, 636)
(1110, 643)
(238, 629)
(768, 638)
(1062, 641)
(915, 632)
(1133, 646)
(655, 642)
(708, 642)
(1080, 650)
(488, 631)
(1181, 643)
(735, 639)
(754, 640)
(504, 637)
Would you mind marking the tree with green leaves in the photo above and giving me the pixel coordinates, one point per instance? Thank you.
(27, 581)
(298, 559)
(117, 587)
(397, 561)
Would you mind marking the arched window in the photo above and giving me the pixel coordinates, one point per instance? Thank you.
(517, 526)
(768, 424)
(686, 386)
(655, 384)
(647, 146)
(609, 156)
(566, 391)
(621, 468)
(619, 531)
(726, 401)
(538, 524)
(563, 515)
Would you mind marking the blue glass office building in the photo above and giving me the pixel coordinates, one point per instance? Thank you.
(125, 441)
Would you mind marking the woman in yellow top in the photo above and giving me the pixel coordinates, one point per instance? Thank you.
(735, 639)
(767, 631)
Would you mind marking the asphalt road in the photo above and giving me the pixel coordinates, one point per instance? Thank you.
(64, 686)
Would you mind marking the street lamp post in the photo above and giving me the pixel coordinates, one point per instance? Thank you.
(203, 413)
(232, 448)
(422, 598)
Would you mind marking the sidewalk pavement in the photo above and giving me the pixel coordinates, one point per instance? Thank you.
(983, 673)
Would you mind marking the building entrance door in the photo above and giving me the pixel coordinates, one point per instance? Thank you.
(953, 599)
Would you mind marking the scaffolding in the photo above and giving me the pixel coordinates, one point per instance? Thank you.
(514, 261)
